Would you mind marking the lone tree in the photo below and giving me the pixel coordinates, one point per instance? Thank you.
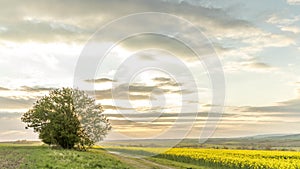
(67, 118)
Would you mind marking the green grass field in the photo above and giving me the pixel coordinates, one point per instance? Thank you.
(28, 156)
(45, 157)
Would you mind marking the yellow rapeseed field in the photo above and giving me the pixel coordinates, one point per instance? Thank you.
(249, 159)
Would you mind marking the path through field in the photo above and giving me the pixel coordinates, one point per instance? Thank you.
(140, 162)
(143, 163)
(154, 163)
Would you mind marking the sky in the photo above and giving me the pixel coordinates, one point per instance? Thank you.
(161, 84)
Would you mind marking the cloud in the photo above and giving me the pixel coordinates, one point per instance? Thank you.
(100, 80)
(107, 94)
(250, 65)
(270, 40)
(43, 20)
(140, 91)
(12, 128)
(4, 89)
(156, 113)
(292, 29)
(21, 98)
(259, 65)
(135, 92)
(280, 112)
(277, 20)
(172, 45)
(290, 106)
(285, 24)
(163, 81)
(35, 89)
(293, 2)
(10, 103)
(111, 107)
(44, 31)
(256, 66)
(130, 122)
(48, 65)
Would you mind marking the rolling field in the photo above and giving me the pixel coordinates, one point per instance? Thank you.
(29, 156)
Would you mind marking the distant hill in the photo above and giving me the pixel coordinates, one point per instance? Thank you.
(271, 141)
(22, 142)
(266, 136)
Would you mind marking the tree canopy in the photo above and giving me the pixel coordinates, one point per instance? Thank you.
(67, 117)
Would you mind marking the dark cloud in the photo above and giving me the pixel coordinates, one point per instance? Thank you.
(151, 111)
(111, 107)
(156, 113)
(107, 94)
(163, 81)
(281, 110)
(4, 89)
(131, 124)
(45, 31)
(141, 88)
(100, 80)
(103, 94)
(167, 119)
(289, 107)
(15, 103)
(35, 89)
(139, 91)
(157, 89)
(141, 115)
(259, 65)
(76, 20)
